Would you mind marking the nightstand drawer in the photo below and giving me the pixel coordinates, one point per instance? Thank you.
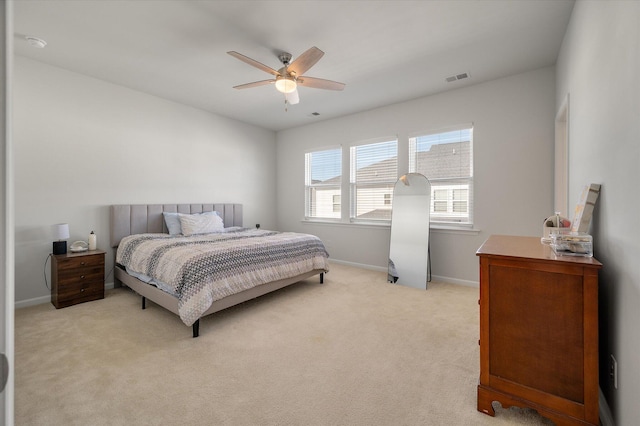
(89, 290)
(87, 261)
(81, 274)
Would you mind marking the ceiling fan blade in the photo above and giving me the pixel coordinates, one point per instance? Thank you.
(305, 61)
(254, 84)
(319, 83)
(292, 98)
(253, 63)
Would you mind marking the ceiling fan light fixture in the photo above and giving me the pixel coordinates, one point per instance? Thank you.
(285, 84)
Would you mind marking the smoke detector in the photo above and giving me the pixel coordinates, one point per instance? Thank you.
(36, 42)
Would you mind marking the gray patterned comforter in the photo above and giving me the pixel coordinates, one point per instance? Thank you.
(201, 269)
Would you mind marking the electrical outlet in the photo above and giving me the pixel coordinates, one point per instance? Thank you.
(613, 371)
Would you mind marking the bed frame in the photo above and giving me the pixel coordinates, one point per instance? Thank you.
(129, 219)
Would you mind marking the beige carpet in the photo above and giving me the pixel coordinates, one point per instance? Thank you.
(353, 351)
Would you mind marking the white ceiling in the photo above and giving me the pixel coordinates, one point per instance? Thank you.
(385, 51)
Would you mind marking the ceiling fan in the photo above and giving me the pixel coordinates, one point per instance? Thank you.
(289, 77)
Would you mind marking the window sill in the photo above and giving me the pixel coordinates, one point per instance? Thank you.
(329, 222)
(441, 229)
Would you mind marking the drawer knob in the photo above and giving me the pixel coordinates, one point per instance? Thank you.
(82, 277)
(83, 263)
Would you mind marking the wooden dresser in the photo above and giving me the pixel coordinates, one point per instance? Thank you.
(538, 330)
(77, 278)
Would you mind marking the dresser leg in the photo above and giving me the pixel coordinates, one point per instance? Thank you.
(485, 400)
(486, 396)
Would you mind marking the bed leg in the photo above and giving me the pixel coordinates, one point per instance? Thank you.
(321, 277)
(144, 300)
(196, 329)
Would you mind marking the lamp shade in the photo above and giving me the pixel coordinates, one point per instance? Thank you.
(61, 231)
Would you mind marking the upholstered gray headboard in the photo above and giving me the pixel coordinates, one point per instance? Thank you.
(128, 219)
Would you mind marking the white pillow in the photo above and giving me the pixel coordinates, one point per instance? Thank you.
(193, 224)
(172, 220)
(173, 223)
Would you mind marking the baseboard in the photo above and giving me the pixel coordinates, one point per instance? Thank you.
(450, 280)
(45, 299)
(606, 419)
(359, 265)
(32, 302)
(433, 277)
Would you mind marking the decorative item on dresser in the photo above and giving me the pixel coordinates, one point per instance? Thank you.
(538, 330)
(77, 278)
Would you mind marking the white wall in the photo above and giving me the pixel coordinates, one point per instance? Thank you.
(598, 67)
(513, 122)
(82, 144)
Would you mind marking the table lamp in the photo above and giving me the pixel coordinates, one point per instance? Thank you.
(61, 234)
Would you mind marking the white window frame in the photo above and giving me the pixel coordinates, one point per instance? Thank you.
(312, 188)
(449, 202)
(449, 219)
(373, 184)
(337, 204)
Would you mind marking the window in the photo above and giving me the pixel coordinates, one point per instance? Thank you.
(374, 171)
(446, 159)
(449, 200)
(439, 201)
(337, 203)
(323, 179)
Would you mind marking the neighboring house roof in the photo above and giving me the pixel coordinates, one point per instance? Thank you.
(376, 214)
(447, 160)
(333, 181)
(385, 171)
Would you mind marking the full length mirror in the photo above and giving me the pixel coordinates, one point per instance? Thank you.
(409, 243)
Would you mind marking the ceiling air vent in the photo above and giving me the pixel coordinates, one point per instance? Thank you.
(457, 77)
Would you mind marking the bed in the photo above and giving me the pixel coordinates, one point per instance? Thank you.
(190, 290)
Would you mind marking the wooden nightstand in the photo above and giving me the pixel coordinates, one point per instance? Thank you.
(77, 278)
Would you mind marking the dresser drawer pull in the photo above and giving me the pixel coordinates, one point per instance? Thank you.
(82, 277)
(83, 263)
